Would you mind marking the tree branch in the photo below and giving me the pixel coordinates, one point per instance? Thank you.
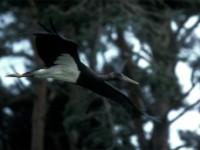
(186, 109)
(183, 96)
(188, 92)
(189, 31)
(146, 51)
(181, 25)
(134, 8)
(74, 9)
(111, 123)
(179, 147)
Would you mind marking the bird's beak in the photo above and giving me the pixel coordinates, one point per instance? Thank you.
(127, 79)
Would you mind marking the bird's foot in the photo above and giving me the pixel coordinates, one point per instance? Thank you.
(15, 75)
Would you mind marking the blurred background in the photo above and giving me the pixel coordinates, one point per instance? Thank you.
(157, 43)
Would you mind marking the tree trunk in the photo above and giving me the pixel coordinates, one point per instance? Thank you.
(39, 109)
(38, 118)
(160, 135)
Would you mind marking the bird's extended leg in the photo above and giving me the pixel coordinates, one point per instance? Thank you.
(28, 74)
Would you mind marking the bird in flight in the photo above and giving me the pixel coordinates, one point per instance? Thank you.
(62, 62)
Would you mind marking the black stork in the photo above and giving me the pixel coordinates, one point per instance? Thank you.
(60, 56)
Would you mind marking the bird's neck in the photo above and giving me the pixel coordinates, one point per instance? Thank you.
(106, 77)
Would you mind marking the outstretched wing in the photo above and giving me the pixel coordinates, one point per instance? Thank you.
(51, 46)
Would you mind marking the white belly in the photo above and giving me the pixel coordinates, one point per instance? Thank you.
(59, 72)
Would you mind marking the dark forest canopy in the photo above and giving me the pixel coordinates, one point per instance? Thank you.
(55, 115)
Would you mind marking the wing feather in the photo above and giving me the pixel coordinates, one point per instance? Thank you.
(51, 46)
(67, 60)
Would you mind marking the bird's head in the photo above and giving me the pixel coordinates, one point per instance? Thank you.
(120, 76)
